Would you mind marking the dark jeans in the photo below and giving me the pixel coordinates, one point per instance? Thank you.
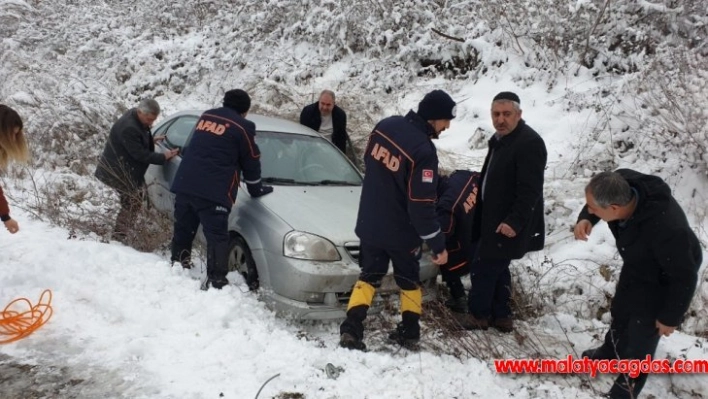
(453, 282)
(131, 202)
(490, 291)
(631, 336)
(190, 211)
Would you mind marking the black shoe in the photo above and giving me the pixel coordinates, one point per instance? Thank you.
(504, 324)
(349, 341)
(457, 305)
(599, 353)
(407, 336)
(186, 263)
(469, 322)
(217, 283)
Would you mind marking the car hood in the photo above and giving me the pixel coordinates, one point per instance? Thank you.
(327, 211)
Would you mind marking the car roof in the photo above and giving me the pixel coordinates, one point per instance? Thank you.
(263, 123)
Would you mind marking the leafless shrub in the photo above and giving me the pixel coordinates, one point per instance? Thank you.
(667, 124)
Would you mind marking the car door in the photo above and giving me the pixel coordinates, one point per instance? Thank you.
(177, 132)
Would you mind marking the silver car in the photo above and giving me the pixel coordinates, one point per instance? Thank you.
(297, 246)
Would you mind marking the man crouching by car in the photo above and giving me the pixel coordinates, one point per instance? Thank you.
(207, 182)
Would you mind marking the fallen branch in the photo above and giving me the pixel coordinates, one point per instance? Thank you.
(457, 39)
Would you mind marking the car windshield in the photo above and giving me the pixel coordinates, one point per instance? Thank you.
(303, 160)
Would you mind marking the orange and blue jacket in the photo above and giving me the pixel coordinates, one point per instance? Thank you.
(397, 207)
(221, 148)
(457, 198)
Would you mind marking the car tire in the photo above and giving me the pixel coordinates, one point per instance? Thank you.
(241, 261)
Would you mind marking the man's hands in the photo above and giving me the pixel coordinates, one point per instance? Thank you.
(169, 154)
(664, 330)
(506, 230)
(440, 259)
(582, 230)
(12, 226)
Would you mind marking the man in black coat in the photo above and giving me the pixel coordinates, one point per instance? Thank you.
(508, 221)
(327, 118)
(457, 197)
(222, 147)
(661, 256)
(129, 151)
(397, 213)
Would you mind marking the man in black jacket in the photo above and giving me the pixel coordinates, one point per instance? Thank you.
(397, 213)
(129, 151)
(222, 147)
(328, 119)
(508, 221)
(457, 197)
(661, 257)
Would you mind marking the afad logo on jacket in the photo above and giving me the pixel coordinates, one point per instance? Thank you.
(471, 200)
(383, 155)
(212, 127)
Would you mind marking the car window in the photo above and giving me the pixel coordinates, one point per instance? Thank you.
(160, 131)
(303, 159)
(178, 132)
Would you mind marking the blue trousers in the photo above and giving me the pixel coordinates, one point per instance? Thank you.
(190, 211)
(490, 291)
(374, 265)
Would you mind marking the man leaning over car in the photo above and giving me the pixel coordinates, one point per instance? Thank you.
(207, 181)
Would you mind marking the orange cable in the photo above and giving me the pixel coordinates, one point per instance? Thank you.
(16, 325)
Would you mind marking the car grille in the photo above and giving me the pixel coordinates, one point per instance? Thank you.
(352, 249)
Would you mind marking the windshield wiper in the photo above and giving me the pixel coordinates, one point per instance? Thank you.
(277, 180)
(336, 183)
(285, 181)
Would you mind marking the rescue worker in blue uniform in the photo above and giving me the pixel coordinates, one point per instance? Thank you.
(222, 147)
(457, 197)
(397, 213)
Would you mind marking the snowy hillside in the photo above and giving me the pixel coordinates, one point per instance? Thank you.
(606, 84)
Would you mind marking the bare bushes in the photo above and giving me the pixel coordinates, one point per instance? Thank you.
(67, 137)
(667, 121)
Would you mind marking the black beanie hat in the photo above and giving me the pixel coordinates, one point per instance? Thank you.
(238, 100)
(437, 105)
(507, 95)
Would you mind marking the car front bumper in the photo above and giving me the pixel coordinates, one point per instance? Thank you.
(303, 289)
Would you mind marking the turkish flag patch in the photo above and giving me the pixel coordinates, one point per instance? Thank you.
(427, 175)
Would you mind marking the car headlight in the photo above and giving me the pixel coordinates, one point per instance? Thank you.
(301, 245)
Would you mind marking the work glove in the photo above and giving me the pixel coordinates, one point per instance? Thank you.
(259, 190)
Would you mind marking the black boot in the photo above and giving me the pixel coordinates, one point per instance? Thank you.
(457, 305)
(349, 341)
(600, 353)
(183, 256)
(214, 282)
(186, 263)
(352, 328)
(407, 332)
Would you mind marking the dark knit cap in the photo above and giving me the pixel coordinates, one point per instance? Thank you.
(507, 95)
(437, 105)
(238, 100)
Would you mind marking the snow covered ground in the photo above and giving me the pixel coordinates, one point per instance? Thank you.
(126, 325)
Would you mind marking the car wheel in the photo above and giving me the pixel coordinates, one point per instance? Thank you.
(241, 261)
